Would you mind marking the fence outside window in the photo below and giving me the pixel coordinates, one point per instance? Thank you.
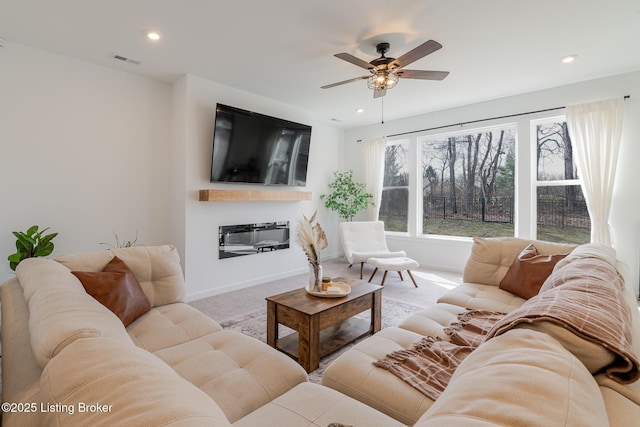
(556, 212)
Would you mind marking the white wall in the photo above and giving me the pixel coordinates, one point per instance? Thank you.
(205, 273)
(90, 151)
(84, 150)
(451, 253)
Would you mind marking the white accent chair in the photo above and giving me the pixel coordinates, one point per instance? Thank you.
(362, 240)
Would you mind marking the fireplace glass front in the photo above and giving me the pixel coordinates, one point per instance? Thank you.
(248, 239)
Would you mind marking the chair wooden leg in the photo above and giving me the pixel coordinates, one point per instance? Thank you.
(400, 273)
(361, 268)
(384, 276)
(412, 279)
(373, 274)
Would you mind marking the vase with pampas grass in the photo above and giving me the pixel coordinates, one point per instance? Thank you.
(312, 238)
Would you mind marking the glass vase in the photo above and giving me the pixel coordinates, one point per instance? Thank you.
(315, 278)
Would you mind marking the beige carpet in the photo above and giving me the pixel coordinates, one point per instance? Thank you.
(245, 310)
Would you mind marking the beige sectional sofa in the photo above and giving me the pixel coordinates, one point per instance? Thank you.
(67, 360)
(536, 374)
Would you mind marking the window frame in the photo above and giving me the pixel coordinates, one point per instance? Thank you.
(409, 186)
(537, 183)
(525, 185)
(421, 139)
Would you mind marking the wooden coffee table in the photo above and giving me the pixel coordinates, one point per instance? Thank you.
(322, 325)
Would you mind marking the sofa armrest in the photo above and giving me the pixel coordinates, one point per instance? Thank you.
(507, 381)
(20, 369)
(130, 385)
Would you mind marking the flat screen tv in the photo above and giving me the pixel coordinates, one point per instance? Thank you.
(250, 147)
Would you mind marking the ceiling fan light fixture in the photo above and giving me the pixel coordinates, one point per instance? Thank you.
(384, 72)
(382, 80)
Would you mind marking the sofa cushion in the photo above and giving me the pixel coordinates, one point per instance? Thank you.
(622, 410)
(238, 372)
(170, 325)
(528, 272)
(61, 311)
(116, 288)
(521, 378)
(432, 321)
(157, 269)
(482, 297)
(224, 364)
(622, 400)
(309, 404)
(131, 386)
(354, 374)
(491, 257)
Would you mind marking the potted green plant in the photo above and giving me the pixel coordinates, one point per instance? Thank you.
(30, 244)
(347, 197)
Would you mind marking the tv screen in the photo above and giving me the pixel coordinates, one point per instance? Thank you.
(250, 147)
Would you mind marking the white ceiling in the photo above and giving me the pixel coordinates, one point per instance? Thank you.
(283, 49)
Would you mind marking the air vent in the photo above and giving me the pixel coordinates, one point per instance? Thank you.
(124, 59)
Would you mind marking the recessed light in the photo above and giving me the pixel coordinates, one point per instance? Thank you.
(153, 35)
(569, 59)
(360, 110)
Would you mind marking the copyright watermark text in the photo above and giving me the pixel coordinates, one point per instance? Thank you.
(41, 407)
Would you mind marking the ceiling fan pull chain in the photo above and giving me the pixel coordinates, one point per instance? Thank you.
(382, 113)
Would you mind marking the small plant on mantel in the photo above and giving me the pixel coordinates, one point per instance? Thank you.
(122, 243)
(347, 197)
(30, 244)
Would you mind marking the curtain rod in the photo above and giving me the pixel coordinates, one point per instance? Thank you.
(482, 120)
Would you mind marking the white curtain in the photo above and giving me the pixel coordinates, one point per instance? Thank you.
(595, 130)
(373, 162)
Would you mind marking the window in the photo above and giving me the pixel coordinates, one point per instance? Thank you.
(468, 182)
(561, 211)
(394, 206)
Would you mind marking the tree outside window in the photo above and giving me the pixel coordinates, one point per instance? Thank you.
(561, 210)
(468, 182)
(394, 206)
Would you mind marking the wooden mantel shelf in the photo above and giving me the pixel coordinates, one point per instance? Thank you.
(253, 195)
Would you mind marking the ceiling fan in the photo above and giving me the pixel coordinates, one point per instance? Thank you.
(385, 71)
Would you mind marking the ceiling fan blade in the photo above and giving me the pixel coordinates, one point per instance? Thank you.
(421, 51)
(379, 93)
(344, 82)
(422, 75)
(354, 60)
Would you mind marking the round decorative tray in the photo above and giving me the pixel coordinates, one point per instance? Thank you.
(335, 290)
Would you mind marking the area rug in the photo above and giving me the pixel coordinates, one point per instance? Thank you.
(254, 324)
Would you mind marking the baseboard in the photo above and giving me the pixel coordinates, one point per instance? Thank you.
(254, 282)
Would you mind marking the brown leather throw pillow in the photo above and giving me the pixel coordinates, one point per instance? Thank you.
(528, 272)
(116, 288)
